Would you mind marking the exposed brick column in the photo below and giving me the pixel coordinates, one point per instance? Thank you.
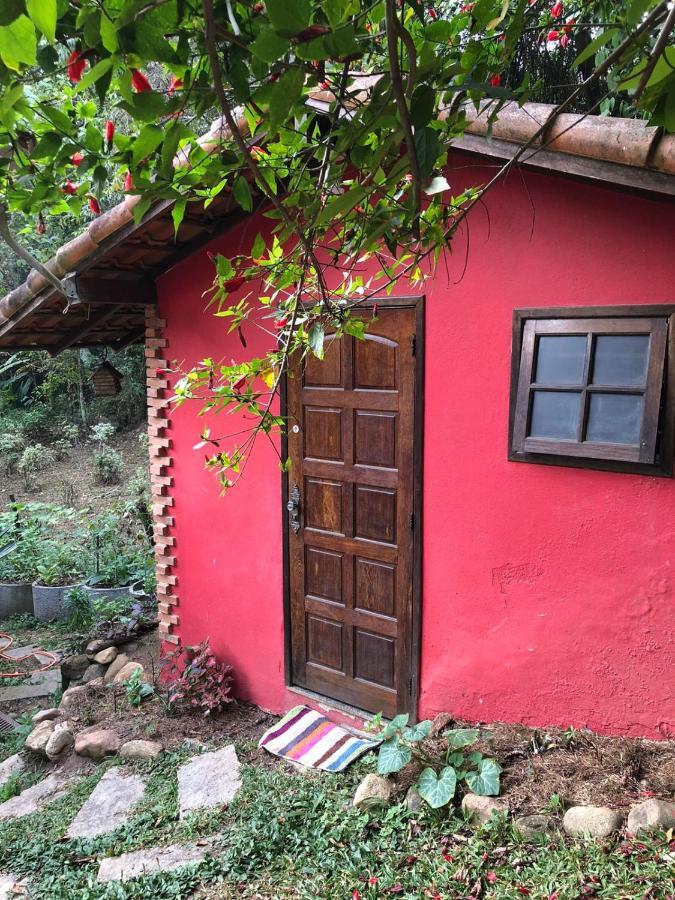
(161, 480)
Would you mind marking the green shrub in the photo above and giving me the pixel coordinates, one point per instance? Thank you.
(108, 464)
(12, 444)
(78, 607)
(34, 460)
(101, 433)
(59, 562)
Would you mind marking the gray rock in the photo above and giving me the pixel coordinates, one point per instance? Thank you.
(34, 798)
(532, 826)
(74, 667)
(11, 888)
(61, 739)
(97, 743)
(141, 750)
(42, 684)
(36, 741)
(10, 767)
(596, 821)
(211, 779)
(481, 809)
(413, 801)
(143, 862)
(95, 670)
(71, 696)
(115, 666)
(125, 673)
(45, 715)
(373, 791)
(94, 647)
(651, 815)
(109, 805)
(105, 657)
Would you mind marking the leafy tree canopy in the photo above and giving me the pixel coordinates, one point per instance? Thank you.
(364, 180)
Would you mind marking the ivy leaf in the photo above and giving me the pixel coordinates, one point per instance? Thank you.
(287, 91)
(18, 43)
(289, 17)
(269, 46)
(147, 141)
(43, 16)
(177, 213)
(485, 782)
(315, 338)
(422, 105)
(242, 193)
(392, 757)
(461, 737)
(437, 790)
(418, 732)
(427, 147)
(395, 725)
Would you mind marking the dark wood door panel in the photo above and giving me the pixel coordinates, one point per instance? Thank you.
(351, 562)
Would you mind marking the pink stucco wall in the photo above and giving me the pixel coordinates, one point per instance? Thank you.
(548, 592)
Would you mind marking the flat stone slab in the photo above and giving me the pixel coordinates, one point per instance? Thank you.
(42, 684)
(30, 650)
(11, 766)
(11, 887)
(109, 805)
(211, 779)
(33, 798)
(144, 862)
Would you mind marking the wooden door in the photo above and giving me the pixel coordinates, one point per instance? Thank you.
(351, 441)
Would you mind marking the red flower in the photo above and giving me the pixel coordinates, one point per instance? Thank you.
(160, 372)
(94, 206)
(109, 132)
(432, 13)
(75, 66)
(324, 86)
(467, 7)
(375, 316)
(372, 880)
(233, 283)
(447, 857)
(564, 41)
(175, 84)
(69, 188)
(257, 152)
(77, 158)
(355, 895)
(491, 877)
(557, 10)
(495, 80)
(552, 35)
(281, 323)
(139, 82)
(239, 384)
(568, 26)
(523, 890)
(258, 7)
(128, 182)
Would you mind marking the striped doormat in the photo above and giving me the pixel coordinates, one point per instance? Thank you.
(305, 736)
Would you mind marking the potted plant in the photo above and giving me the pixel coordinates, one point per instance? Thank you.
(18, 550)
(58, 569)
(113, 560)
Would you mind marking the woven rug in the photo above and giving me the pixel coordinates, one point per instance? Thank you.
(305, 736)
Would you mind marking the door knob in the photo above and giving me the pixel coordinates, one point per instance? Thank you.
(293, 507)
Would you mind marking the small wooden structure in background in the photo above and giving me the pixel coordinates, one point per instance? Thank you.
(107, 380)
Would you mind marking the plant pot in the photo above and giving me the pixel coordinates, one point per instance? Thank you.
(15, 599)
(49, 602)
(113, 593)
(137, 592)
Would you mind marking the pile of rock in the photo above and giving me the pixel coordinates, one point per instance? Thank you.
(101, 661)
(578, 821)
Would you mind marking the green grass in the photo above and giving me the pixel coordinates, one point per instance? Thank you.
(297, 835)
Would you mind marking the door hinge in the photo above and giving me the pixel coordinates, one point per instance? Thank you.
(412, 521)
(413, 345)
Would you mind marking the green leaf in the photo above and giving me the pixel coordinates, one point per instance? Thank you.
(422, 105)
(269, 46)
(440, 31)
(258, 247)
(485, 782)
(315, 338)
(418, 732)
(96, 72)
(18, 43)
(43, 16)
(592, 48)
(289, 17)
(287, 91)
(427, 147)
(177, 214)
(392, 757)
(396, 724)
(11, 10)
(146, 107)
(108, 34)
(437, 790)
(461, 737)
(148, 140)
(242, 193)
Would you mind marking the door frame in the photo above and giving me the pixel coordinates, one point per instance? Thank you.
(416, 302)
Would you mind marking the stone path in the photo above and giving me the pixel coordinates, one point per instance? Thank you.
(33, 798)
(11, 766)
(109, 806)
(11, 888)
(143, 862)
(212, 779)
(42, 684)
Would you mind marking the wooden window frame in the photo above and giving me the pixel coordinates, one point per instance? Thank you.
(658, 423)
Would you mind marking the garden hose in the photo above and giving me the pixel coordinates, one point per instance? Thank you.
(17, 659)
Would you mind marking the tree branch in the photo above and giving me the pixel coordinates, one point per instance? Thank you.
(659, 47)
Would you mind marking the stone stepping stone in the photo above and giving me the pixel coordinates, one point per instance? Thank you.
(11, 888)
(34, 798)
(144, 862)
(42, 684)
(109, 805)
(11, 766)
(211, 779)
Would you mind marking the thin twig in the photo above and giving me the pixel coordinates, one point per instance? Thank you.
(659, 47)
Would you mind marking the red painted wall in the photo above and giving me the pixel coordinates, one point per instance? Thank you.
(548, 592)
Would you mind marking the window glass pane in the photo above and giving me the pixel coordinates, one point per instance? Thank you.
(615, 418)
(560, 359)
(621, 359)
(554, 414)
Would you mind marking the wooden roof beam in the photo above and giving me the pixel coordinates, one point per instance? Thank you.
(98, 318)
(105, 291)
